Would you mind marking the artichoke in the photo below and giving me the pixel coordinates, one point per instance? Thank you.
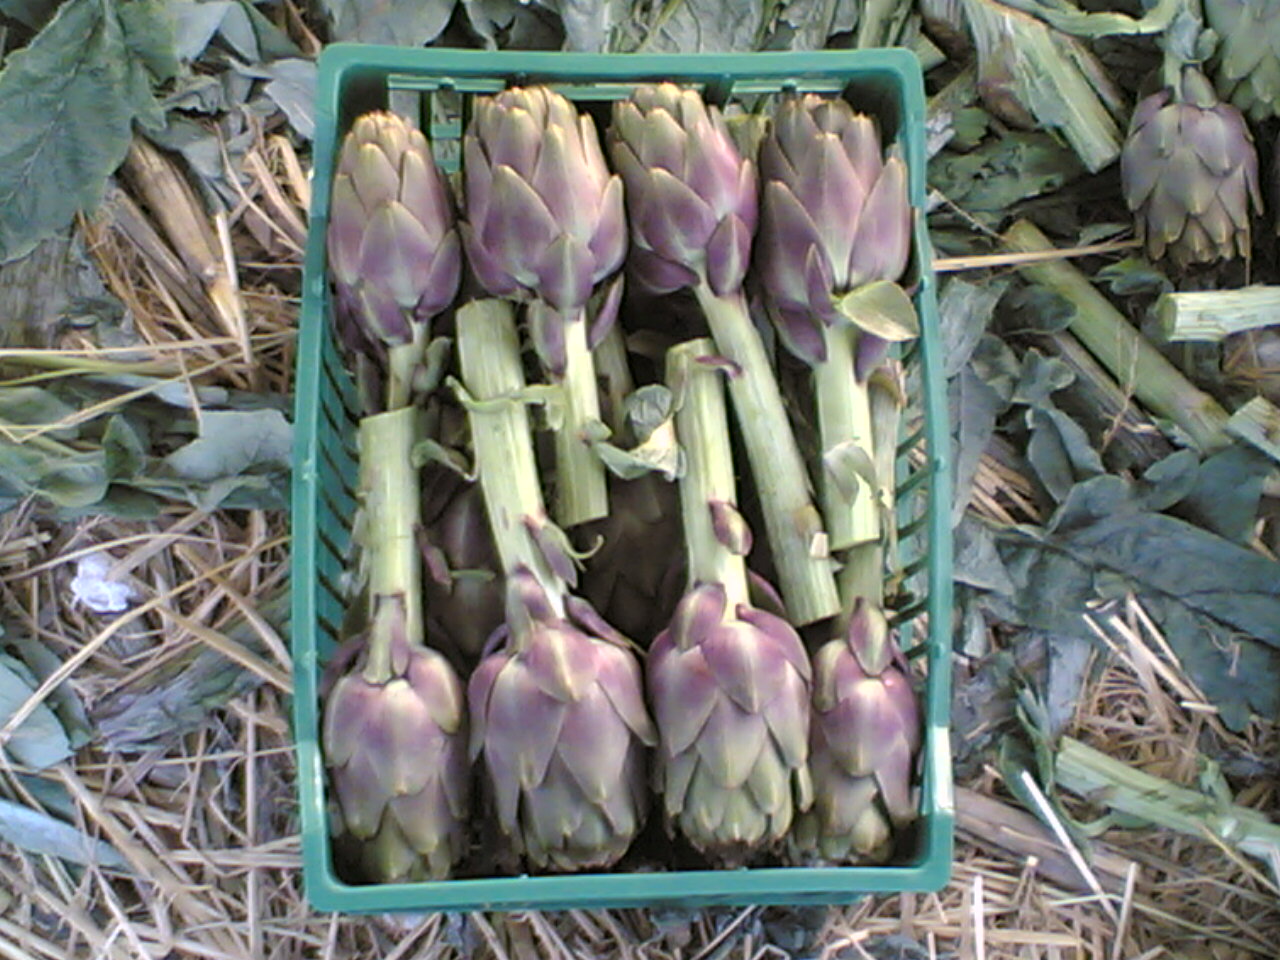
(558, 713)
(545, 225)
(835, 237)
(393, 247)
(1247, 60)
(560, 719)
(464, 590)
(729, 683)
(865, 734)
(692, 207)
(1190, 174)
(395, 743)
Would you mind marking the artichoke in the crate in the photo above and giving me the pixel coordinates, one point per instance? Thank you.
(835, 238)
(865, 734)
(463, 585)
(394, 254)
(1190, 174)
(395, 742)
(558, 712)
(692, 210)
(729, 683)
(561, 721)
(1247, 61)
(545, 225)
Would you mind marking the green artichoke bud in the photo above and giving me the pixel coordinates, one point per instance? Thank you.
(729, 682)
(692, 207)
(559, 717)
(393, 248)
(692, 197)
(1247, 60)
(864, 737)
(1190, 175)
(395, 743)
(545, 225)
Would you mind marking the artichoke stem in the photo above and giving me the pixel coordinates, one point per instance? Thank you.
(614, 373)
(489, 355)
(792, 523)
(403, 361)
(702, 428)
(581, 492)
(844, 416)
(390, 490)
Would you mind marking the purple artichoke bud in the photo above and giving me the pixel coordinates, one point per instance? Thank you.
(730, 691)
(1247, 61)
(559, 716)
(396, 749)
(464, 592)
(864, 738)
(691, 196)
(544, 217)
(835, 216)
(1190, 175)
(393, 248)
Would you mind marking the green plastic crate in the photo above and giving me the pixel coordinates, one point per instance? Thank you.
(433, 87)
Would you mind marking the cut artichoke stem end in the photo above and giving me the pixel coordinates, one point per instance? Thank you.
(581, 492)
(702, 428)
(389, 488)
(792, 523)
(844, 417)
(489, 355)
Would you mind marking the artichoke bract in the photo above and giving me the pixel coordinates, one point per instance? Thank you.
(560, 719)
(558, 712)
(865, 734)
(1247, 61)
(1190, 174)
(394, 253)
(545, 225)
(729, 683)
(395, 742)
(464, 590)
(692, 209)
(835, 237)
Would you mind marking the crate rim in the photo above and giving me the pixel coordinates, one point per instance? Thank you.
(780, 885)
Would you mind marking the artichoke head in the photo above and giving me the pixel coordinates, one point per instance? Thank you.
(1190, 175)
(864, 738)
(559, 717)
(544, 216)
(393, 248)
(1247, 61)
(691, 195)
(730, 691)
(835, 215)
(396, 750)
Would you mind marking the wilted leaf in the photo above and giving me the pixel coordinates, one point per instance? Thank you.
(1226, 491)
(1039, 378)
(1003, 171)
(42, 663)
(123, 450)
(404, 22)
(975, 406)
(233, 442)
(67, 105)
(32, 14)
(964, 312)
(40, 833)
(1133, 275)
(293, 88)
(809, 24)
(588, 23)
(1035, 309)
(39, 741)
(694, 26)
(1059, 450)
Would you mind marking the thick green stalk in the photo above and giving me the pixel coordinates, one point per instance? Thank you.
(792, 523)
(1089, 773)
(844, 418)
(390, 490)
(489, 355)
(1132, 360)
(702, 428)
(614, 374)
(581, 493)
(1214, 315)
